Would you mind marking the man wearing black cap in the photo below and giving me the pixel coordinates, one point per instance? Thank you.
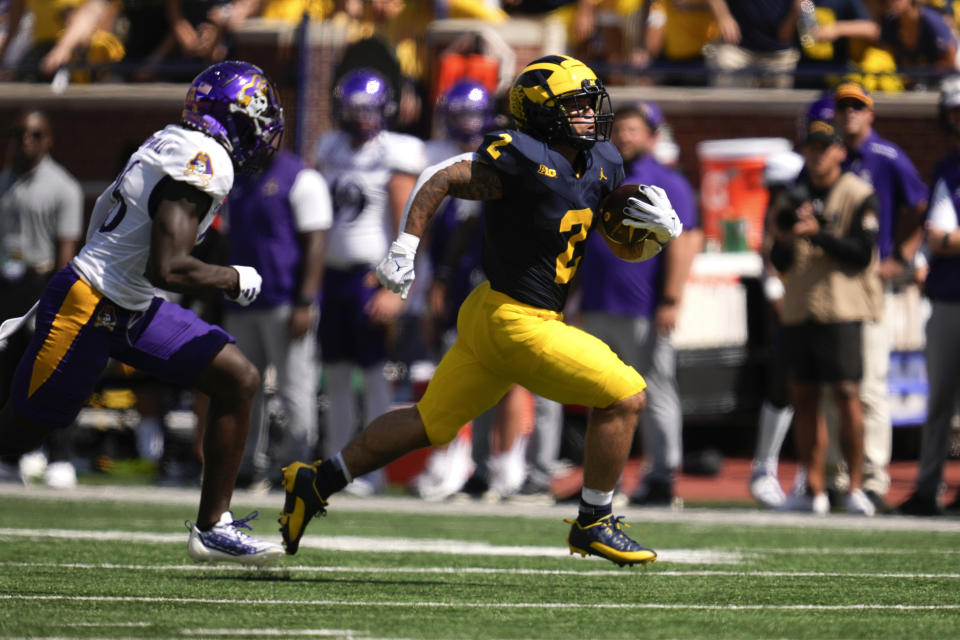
(825, 245)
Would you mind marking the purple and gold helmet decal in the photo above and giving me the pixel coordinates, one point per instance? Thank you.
(236, 104)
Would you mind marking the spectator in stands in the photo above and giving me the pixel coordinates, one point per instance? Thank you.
(371, 172)
(633, 306)
(757, 43)
(277, 224)
(292, 11)
(833, 41)
(41, 221)
(825, 245)
(943, 340)
(203, 30)
(403, 24)
(183, 36)
(920, 40)
(901, 200)
(49, 21)
(16, 35)
(673, 35)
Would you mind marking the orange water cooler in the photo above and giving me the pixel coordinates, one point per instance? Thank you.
(733, 198)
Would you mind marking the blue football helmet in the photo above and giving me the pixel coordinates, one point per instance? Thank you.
(467, 110)
(363, 103)
(545, 93)
(237, 105)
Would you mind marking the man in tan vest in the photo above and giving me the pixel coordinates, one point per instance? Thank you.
(825, 246)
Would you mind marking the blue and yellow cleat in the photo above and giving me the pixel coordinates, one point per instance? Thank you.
(302, 502)
(606, 539)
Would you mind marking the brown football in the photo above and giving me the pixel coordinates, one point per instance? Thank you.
(625, 242)
(612, 215)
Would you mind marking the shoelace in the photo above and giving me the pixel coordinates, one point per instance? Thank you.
(614, 525)
(239, 523)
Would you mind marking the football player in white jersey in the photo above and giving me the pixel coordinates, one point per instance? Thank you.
(103, 305)
(371, 172)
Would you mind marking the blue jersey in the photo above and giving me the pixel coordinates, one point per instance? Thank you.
(534, 237)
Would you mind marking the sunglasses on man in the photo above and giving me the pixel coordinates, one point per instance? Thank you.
(856, 105)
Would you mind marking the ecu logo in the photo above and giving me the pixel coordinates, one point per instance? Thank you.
(106, 318)
(544, 170)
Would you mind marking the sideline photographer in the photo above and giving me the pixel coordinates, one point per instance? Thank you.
(825, 245)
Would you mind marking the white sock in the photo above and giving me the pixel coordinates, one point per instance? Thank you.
(596, 498)
(774, 423)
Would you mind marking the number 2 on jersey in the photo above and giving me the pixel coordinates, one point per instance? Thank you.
(566, 262)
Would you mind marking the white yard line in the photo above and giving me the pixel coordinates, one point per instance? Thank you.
(275, 633)
(272, 502)
(604, 573)
(364, 544)
(490, 605)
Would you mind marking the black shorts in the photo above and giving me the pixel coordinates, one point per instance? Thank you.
(824, 352)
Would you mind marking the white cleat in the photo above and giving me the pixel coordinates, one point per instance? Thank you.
(859, 504)
(766, 489)
(225, 542)
(817, 505)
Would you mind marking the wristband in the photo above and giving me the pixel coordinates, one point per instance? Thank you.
(303, 301)
(945, 243)
(408, 241)
(668, 301)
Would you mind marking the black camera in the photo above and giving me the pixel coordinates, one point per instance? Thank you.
(787, 215)
(798, 195)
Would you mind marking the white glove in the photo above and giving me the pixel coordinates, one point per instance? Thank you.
(395, 271)
(250, 282)
(658, 217)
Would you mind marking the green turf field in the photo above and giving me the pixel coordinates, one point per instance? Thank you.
(112, 563)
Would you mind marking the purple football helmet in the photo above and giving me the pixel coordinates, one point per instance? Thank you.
(363, 103)
(467, 109)
(236, 104)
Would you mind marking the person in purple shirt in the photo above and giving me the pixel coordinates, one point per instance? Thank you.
(277, 224)
(942, 286)
(902, 197)
(633, 306)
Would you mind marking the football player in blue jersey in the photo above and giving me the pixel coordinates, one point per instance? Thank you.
(542, 183)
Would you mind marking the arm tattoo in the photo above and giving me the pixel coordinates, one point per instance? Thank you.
(467, 180)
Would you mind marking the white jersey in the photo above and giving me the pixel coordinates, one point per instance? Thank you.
(114, 258)
(363, 226)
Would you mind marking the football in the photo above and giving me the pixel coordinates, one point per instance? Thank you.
(627, 243)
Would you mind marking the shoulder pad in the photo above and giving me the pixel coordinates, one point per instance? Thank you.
(197, 159)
